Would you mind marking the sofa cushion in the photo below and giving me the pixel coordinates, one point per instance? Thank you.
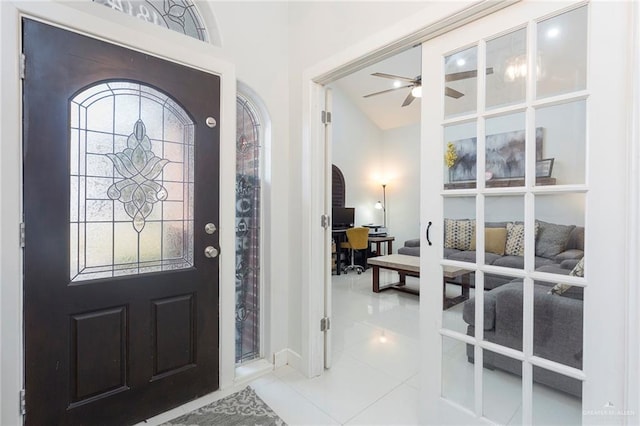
(463, 256)
(517, 262)
(450, 252)
(458, 233)
(552, 239)
(494, 240)
(570, 254)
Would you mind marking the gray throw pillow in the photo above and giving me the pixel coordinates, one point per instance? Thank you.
(552, 239)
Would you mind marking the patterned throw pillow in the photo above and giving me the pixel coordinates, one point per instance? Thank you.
(577, 271)
(515, 238)
(458, 234)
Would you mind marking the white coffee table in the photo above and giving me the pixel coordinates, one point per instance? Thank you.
(410, 266)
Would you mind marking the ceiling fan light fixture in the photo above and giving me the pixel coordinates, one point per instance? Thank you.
(416, 92)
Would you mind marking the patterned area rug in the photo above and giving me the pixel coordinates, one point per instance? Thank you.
(243, 408)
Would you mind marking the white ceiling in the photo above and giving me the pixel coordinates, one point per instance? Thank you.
(385, 110)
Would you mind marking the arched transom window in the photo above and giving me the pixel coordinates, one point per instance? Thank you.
(177, 15)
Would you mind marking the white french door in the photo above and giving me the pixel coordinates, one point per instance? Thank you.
(523, 181)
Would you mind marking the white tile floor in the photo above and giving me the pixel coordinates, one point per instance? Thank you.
(374, 376)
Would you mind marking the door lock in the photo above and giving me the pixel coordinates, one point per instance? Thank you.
(210, 228)
(210, 252)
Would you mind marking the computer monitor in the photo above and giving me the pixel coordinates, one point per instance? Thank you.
(343, 217)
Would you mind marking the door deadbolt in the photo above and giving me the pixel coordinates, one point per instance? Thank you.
(210, 252)
(210, 228)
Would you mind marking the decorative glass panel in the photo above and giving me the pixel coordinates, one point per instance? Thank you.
(131, 207)
(177, 15)
(247, 233)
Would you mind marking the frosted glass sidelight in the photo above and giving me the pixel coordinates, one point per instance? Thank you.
(122, 186)
(248, 194)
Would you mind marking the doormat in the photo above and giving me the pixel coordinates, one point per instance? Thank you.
(243, 408)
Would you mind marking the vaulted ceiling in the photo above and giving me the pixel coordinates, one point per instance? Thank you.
(386, 109)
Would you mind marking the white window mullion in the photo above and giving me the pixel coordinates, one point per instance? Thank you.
(529, 220)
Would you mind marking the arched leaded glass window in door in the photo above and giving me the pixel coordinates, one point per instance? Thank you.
(131, 175)
(248, 193)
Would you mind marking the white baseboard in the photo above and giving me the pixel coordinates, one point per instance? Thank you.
(294, 360)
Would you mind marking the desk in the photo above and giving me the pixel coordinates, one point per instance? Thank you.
(378, 240)
(339, 236)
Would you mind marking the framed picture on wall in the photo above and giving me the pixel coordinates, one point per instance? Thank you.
(544, 167)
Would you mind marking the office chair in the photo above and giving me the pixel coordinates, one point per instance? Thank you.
(357, 239)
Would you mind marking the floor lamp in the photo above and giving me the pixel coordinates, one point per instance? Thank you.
(383, 205)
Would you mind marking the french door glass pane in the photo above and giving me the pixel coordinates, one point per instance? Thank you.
(131, 182)
(459, 245)
(561, 156)
(457, 373)
(558, 306)
(461, 82)
(506, 69)
(553, 407)
(501, 388)
(562, 53)
(505, 150)
(504, 235)
(460, 148)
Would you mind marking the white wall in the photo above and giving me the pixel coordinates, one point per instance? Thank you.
(357, 151)
(401, 153)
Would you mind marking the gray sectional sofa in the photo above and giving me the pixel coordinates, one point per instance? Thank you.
(557, 318)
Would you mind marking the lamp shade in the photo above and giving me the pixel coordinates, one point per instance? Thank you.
(378, 205)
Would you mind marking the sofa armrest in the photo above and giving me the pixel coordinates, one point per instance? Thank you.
(490, 297)
(571, 254)
(412, 243)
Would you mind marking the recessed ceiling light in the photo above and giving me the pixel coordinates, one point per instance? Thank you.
(553, 32)
(460, 62)
(397, 83)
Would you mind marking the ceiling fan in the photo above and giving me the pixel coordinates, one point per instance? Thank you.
(415, 84)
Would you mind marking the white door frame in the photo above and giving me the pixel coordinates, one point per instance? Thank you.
(119, 29)
(415, 30)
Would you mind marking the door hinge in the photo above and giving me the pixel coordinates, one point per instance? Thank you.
(23, 65)
(326, 117)
(23, 403)
(325, 324)
(22, 234)
(325, 221)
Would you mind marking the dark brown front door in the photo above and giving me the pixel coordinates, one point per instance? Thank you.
(121, 161)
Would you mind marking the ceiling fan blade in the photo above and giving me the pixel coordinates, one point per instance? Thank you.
(452, 93)
(408, 99)
(394, 77)
(386, 91)
(455, 76)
